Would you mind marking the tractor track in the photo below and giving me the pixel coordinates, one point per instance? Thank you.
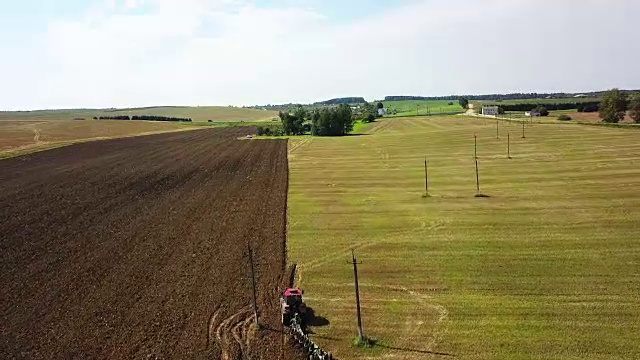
(230, 337)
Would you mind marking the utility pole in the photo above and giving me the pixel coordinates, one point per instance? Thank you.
(477, 179)
(253, 283)
(497, 129)
(355, 274)
(475, 146)
(508, 145)
(426, 178)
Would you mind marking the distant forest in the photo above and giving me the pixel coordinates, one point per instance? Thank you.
(587, 106)
(513, 96)
(345, 100)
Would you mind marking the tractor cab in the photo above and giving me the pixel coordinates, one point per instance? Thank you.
(292, 305)
(293, 297)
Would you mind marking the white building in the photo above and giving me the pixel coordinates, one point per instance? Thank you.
(382, 112)
(490, 110)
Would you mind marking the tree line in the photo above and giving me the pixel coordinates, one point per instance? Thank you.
(118, 117)
(613, 108)
(328, 121)
(143, 117)
(497, 97)
(587, 106)
(270, 130)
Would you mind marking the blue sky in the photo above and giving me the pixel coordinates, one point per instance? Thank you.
(112, 53)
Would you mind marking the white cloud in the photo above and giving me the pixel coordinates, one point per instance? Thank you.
(132, 4)
(197, 52)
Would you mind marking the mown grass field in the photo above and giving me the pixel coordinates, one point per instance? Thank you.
(197, 114)
(422, 107)
(548, 267)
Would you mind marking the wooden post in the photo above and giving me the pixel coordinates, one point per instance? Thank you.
(253, 284)
(477, 178)
(497, 129)
(523, 129)
(355, 275)
(508, 145)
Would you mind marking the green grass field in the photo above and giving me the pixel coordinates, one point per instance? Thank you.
(548, 267)
(198, 114)
(422, 107)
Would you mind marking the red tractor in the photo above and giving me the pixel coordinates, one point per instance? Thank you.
(291, 304)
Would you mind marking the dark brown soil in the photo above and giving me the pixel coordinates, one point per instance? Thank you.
(137, 248)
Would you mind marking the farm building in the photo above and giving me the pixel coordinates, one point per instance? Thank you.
(490, 110)
(382, 112)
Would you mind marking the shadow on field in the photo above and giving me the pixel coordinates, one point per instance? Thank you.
(413, 350)
(313, 320)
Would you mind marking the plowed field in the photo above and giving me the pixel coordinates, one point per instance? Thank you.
(137, 248)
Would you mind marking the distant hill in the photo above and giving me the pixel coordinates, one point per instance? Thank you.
(345, 100)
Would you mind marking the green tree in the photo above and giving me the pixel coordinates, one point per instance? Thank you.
(369, 113)
(315, 122)
(287, 122)
(613, 106)
(380, 105)
(293, 124)
(336, 121)
(634, 108)
(346, 119)
(464, 102)
(543, 111)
